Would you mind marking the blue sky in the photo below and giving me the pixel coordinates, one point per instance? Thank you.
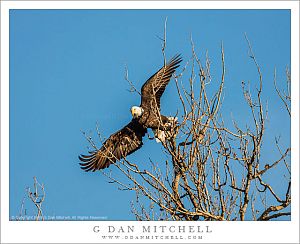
(67, 73)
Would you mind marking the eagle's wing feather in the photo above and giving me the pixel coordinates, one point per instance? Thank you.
(154, 87)
(117, 146)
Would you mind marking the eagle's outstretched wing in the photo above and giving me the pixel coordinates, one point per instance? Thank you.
(117, 146)
(154, 87)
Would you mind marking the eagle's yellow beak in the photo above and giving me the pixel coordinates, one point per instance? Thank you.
(132, 110)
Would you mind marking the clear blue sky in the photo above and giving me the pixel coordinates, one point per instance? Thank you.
(67, 73)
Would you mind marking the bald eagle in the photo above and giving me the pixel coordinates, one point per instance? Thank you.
(129, 139)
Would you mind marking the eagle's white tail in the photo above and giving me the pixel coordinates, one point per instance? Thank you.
(160, 136)
(171, 121)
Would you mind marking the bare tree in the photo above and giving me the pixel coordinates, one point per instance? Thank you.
(37, 197)
(213, 171)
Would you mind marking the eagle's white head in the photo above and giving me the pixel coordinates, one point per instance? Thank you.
(136, 111)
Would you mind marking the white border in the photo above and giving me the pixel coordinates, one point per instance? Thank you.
(82, 232)
(149, 4)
